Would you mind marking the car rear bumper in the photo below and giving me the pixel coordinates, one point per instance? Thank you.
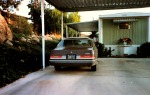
(73, 62)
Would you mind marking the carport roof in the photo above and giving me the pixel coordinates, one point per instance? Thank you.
(93, 25)
(84, 26)
(90, 5)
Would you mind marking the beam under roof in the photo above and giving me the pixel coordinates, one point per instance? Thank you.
(84, 26)
(91, 5)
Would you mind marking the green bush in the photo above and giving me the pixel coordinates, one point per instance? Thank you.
(145, 50)
(103, 51)
(20, 27)
(100, 48)
(21, 59)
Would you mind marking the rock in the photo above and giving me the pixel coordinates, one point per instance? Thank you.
(8, 43)
(23, 39)
(5, 32)
(35, 39)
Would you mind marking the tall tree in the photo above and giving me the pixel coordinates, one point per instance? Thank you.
(35, 12)
(73, 17)
(52, 18)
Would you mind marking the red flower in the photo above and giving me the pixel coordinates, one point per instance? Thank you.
(128, 40)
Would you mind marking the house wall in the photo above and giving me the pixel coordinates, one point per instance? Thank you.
(122, 50)
(137, 32)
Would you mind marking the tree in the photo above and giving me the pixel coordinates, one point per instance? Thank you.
(5, 4)
(52, 21)
(52, 18)
(35, 12)
(73, 17)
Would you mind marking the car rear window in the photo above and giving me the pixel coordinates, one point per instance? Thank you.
(79, 42)
(75, 42)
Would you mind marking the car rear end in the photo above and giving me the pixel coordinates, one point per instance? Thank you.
(74, 55)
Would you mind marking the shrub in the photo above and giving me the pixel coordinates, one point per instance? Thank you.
(103, 51)
(145, 50)
(21, 59)
(100, 48)
(49, 45)
(20, 27)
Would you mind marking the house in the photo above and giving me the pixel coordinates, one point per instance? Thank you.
(113, 27)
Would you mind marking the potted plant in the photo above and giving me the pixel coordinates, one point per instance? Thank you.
(125, 41)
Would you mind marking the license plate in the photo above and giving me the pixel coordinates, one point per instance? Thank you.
(71, 56)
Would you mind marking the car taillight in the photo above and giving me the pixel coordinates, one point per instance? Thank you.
(87, 56)
(55, 56)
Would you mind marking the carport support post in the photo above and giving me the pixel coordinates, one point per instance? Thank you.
(76, 33)
(149, 29)
(100, 30)
(66, 31)
(62, 30)
(43, 34)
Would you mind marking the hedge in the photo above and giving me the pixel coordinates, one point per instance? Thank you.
(22, 58)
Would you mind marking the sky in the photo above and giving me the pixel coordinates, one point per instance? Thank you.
(85, 16)
(23, 8)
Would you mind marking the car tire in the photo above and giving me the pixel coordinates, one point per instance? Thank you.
(93, 68)
(57, 68)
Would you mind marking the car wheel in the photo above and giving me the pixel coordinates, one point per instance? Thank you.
(57, 68)
(93, 68)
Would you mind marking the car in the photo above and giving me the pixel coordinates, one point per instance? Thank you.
(76, 52)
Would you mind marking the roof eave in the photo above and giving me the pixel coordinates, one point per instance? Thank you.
(128, 14)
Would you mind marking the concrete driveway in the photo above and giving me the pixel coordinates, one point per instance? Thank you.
(114, 76)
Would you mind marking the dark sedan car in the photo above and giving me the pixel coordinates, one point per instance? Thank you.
(75, 51)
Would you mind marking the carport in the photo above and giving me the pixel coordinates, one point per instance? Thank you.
(91, 5)
(83, 26)
(88, 5)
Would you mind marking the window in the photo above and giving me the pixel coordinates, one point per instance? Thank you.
(124, 25)
(78, 42)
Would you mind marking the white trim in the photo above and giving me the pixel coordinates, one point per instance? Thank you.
(148, 29)
(66, 31)
(81, 22)
(62, 30)
(116, 20)
(128, 14)
(43, 34)
(100, 30)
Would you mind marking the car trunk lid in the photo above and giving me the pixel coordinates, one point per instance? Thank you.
(73, 53)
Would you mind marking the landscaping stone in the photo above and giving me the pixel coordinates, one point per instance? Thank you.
(5, 32)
